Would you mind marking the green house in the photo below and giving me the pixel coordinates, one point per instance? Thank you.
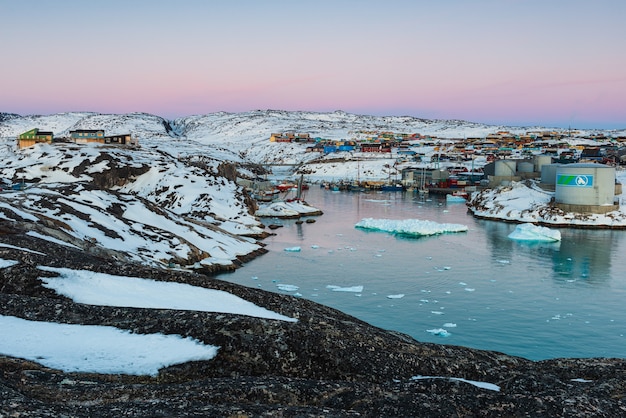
(33, 137)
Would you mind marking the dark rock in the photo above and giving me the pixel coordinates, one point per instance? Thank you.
(326, 364)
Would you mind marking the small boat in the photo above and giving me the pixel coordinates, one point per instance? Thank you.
(392, 187)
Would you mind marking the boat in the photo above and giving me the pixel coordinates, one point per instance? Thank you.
(394, 187)
(265, 195)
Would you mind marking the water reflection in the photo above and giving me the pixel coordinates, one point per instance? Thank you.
(582, 254)
(585, 255)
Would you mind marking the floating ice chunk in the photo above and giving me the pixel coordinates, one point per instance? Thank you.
(315, 247)
(581, 380)
(469, 289)
(287, 287)
(293, 249)
(449, 325)
(531, 232)
(436, 312)
(462, 283)
(504, 261)
(424, 300)
(398, 296)
(439, 332)
(355, 289)
(409, 227)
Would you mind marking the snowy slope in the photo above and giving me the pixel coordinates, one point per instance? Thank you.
(168, 200)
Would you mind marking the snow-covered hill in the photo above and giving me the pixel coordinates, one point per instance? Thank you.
(171, 200)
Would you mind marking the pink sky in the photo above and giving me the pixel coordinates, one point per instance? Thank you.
(519, 62)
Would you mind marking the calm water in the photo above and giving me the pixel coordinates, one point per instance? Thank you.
(537, 301)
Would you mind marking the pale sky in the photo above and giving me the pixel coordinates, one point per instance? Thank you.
(549, 62)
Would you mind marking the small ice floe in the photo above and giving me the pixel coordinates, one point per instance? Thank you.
(287, 287)
(451, 198)
(449, 325)
(354, 289)
(436, 312)
(440, 332)
(254, 278)
(409, 227)
(462, 284)
(504, 261)
(315, 247)
(424, 300)
(293, 249)
(398, 296)
(469, 289)
(531, 232)
(581, 380)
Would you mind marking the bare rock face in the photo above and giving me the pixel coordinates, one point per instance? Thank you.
(326, 364)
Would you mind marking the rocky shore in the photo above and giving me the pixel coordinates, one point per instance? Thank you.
(327, 364)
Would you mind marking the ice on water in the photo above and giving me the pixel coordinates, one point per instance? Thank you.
(410, 227)
(353, 289)
(536, 233)
(287, 287)
(439, 332)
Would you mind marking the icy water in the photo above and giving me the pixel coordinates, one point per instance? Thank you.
(476, 289)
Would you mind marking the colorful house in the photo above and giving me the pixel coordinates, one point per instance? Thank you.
(84, 136)
(34, 136)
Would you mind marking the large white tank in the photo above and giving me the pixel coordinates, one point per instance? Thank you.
(585, 184)
(540, 161)
(525, 167)
(548, 174)
(505, 168)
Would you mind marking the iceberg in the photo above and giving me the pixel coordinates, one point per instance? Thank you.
(293, 249)
(439, 332)
(531, 232)
(354, 289)
(287, 287)
(410, 227)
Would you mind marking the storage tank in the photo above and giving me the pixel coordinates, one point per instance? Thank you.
(505, 168)
(585, 184)
(525, 167)
(540, 161)
(548, 174)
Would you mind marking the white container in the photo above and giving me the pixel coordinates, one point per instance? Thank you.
(585, 184)
(505, 168)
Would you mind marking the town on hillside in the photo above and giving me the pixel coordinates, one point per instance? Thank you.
(565, 147)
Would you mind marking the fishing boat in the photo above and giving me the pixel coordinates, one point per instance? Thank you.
(392, 187)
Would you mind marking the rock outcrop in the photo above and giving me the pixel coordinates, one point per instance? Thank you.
(326, 364)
